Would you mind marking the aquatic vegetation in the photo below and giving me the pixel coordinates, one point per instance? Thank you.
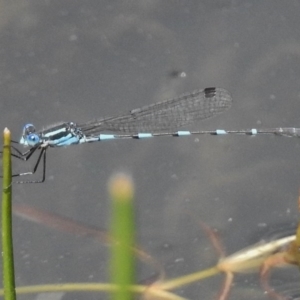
(261, 258)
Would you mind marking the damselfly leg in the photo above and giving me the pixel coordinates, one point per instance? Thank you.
(25, 156)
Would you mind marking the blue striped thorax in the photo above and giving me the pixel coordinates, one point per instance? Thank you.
(64, 134)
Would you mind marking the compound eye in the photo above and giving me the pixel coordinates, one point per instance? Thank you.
(32, 139)
(28, 129)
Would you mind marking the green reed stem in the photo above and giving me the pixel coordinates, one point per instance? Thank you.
(122, 265)
(7, 240)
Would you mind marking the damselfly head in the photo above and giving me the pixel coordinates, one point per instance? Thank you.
(29, 137)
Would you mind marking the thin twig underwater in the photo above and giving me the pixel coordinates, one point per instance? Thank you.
(260, 258)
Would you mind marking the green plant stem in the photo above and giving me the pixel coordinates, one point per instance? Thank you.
(7, 242)
(122, 265)
(93, 287)
(188, 279)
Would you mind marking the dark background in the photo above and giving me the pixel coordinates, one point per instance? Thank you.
(79, 60)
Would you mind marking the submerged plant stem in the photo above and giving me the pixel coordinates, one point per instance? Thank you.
(188, 279)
